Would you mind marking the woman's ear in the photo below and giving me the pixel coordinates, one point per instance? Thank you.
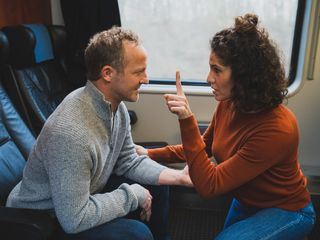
(107, 72)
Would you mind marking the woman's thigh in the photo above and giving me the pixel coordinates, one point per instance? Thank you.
(272, 224)
(118, 229)
(238, 212)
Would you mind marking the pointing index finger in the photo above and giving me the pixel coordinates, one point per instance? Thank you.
(178, 84)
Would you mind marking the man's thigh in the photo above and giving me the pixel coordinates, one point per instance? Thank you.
(117, 229)
(160, 205)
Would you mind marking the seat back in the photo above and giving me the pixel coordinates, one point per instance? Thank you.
(36, 70)
(16, 140)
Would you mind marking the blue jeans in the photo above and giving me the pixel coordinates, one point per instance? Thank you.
(130, 227)
(246, 223)
(117, 229)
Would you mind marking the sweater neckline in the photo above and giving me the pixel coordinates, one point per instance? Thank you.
(102, 106)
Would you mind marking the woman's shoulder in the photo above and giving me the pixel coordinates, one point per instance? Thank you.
(283, 114)
(281, 120)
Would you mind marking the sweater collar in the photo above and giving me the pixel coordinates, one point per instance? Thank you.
(102, 106)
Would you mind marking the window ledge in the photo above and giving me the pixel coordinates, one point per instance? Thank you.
(188, 90)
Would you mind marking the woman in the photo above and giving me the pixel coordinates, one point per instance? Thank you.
(252, 136)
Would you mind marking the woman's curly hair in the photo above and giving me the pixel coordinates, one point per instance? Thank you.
(257, 71)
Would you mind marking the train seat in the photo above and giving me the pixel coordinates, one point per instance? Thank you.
(36, 70)
(16, 141)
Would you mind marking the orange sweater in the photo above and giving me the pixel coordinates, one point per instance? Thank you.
(257, 156)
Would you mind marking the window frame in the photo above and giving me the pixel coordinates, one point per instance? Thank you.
(295, 68)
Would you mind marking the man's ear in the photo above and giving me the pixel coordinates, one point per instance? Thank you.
(107, 73)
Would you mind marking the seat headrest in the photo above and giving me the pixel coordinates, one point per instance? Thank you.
(4, 48)
(22, 44)
(43, 49)
(29, 44)
(59, 40)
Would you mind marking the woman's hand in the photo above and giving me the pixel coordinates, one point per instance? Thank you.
(178, 103)
(140, 150)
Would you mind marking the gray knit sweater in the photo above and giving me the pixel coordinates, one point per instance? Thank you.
(79, 147)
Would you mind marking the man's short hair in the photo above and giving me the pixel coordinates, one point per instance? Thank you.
(106, 48)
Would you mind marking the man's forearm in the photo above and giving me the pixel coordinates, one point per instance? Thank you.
(174, 177)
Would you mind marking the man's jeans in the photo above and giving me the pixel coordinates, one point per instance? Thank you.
(244, 223)
(130, 227)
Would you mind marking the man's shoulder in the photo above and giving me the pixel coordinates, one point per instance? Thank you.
(72, 114)
(77, 96)
(74, 103)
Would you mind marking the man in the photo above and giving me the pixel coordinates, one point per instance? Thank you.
(87, 139)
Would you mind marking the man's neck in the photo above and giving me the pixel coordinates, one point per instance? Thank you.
(101, 86)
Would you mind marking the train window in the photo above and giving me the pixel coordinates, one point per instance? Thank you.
(176, 33)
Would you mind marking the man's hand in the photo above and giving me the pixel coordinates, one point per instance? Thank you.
(178, 103)
(146, 208)
(175, 177)
(185, 177)
(140, 150)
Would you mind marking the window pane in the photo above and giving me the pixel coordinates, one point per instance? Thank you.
(176, 33)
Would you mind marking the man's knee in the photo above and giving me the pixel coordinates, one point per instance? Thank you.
(139, 231)
(118, 229)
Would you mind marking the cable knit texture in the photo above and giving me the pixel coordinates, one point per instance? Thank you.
(79, 147)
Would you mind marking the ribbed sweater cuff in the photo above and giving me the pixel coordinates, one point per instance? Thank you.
(140, 192)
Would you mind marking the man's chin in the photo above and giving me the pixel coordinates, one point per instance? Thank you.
(133, 98)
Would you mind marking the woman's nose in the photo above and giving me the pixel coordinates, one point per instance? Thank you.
(211, 79)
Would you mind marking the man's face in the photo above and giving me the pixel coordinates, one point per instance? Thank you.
(125, 85)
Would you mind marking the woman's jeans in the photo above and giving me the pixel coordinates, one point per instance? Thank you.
(245, 223)
(130, 227)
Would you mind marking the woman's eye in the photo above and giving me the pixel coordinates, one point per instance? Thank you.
(217, 70)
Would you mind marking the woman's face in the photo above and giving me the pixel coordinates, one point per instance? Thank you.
(219, 79)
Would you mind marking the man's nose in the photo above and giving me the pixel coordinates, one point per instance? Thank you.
(145, 80)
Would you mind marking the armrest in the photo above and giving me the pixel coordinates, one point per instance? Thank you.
(152, 144)
(19, 223)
